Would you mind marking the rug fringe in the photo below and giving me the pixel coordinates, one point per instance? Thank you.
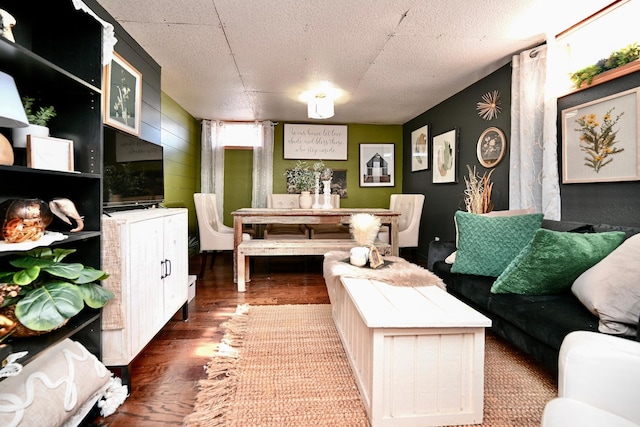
(221, 381)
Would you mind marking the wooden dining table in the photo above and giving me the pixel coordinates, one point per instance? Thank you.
(307, 216)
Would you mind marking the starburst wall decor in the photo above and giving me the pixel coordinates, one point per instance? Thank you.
(490, 105)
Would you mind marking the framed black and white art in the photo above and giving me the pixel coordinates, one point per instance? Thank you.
(122, 95)
(377, 165)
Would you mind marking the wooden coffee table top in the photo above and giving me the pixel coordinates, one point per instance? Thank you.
(386, 306)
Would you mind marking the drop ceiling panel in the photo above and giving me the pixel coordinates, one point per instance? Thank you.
(250, 59)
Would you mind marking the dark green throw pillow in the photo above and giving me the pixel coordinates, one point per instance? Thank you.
(486, 245)
(551, 262)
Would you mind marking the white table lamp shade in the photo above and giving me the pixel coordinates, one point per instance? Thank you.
(12, 113)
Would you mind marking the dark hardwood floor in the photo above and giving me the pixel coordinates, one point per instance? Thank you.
(165, 374)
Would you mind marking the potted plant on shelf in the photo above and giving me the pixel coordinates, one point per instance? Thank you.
(41, 293)
(302, 178)
(38, 121)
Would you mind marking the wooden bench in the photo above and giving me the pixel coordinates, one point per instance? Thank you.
(283, 247)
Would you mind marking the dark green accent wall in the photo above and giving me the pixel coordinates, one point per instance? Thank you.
(459, 112)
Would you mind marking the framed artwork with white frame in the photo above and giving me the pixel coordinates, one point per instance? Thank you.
(122, 95)
(377, 165)
(420, 149)
(601, 140)
(445, 157)
(49, 153)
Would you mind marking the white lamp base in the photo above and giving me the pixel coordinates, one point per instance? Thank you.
(20, 134)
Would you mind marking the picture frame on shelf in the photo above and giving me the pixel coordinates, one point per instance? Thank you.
(601, 140)
(445, 157)
(491, 148)
(44, 152)
(420, 149)
(122, 95)
(377, 165)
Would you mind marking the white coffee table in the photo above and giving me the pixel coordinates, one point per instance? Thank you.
(417, 352)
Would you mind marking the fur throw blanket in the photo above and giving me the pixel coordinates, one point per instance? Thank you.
(396, 271)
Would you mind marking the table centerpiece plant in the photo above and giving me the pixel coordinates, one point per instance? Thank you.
(302, 178)
(42, 293)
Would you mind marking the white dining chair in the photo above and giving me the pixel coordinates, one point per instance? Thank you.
(330, 231)
(285, 231)
(410, 208)
(214, 235)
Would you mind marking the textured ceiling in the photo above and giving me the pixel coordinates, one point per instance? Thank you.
(390, 59)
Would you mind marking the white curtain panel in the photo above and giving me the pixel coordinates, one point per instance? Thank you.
(212, 161)
(533, 179)
(263, 165)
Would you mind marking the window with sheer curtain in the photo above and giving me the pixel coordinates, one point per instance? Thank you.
(218, 136)
(539, 77)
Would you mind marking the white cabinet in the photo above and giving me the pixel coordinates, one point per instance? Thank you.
(145, 252)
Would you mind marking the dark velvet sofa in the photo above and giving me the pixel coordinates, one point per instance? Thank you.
(535, 324)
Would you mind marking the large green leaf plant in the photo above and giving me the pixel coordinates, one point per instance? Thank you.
(51, 291)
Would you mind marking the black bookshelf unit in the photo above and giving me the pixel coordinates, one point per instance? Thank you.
(56, 58)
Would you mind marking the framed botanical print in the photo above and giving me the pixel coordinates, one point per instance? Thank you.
(491, 147)
(601, 140)
(445, 157)
(377, 165)
(122, 95)
(420, 149)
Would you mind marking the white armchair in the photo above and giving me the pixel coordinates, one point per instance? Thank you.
(410, 207)
(598, 382)
(214, 235)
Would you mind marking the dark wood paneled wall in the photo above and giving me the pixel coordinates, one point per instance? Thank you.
(130, 50)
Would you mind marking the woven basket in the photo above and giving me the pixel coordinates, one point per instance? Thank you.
(21, 331)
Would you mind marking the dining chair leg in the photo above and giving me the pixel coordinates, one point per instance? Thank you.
(203, 263)
(213, 258)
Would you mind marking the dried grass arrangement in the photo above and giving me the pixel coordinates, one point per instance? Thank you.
(364, 228)
(477, 196)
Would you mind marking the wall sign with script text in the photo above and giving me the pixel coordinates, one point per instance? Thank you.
(325, 142)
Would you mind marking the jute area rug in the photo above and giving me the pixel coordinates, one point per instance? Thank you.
(285, 366)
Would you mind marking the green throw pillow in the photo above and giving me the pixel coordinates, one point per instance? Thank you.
(486, 245)
(553, 260)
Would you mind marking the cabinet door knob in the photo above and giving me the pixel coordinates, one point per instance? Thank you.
(163, 269)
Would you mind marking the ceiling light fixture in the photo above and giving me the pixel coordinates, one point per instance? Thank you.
(320, 107)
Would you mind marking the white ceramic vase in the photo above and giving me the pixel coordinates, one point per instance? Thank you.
(306, 201)
(316, 196)
(359, 256)
(19, 135)
(327, 195)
